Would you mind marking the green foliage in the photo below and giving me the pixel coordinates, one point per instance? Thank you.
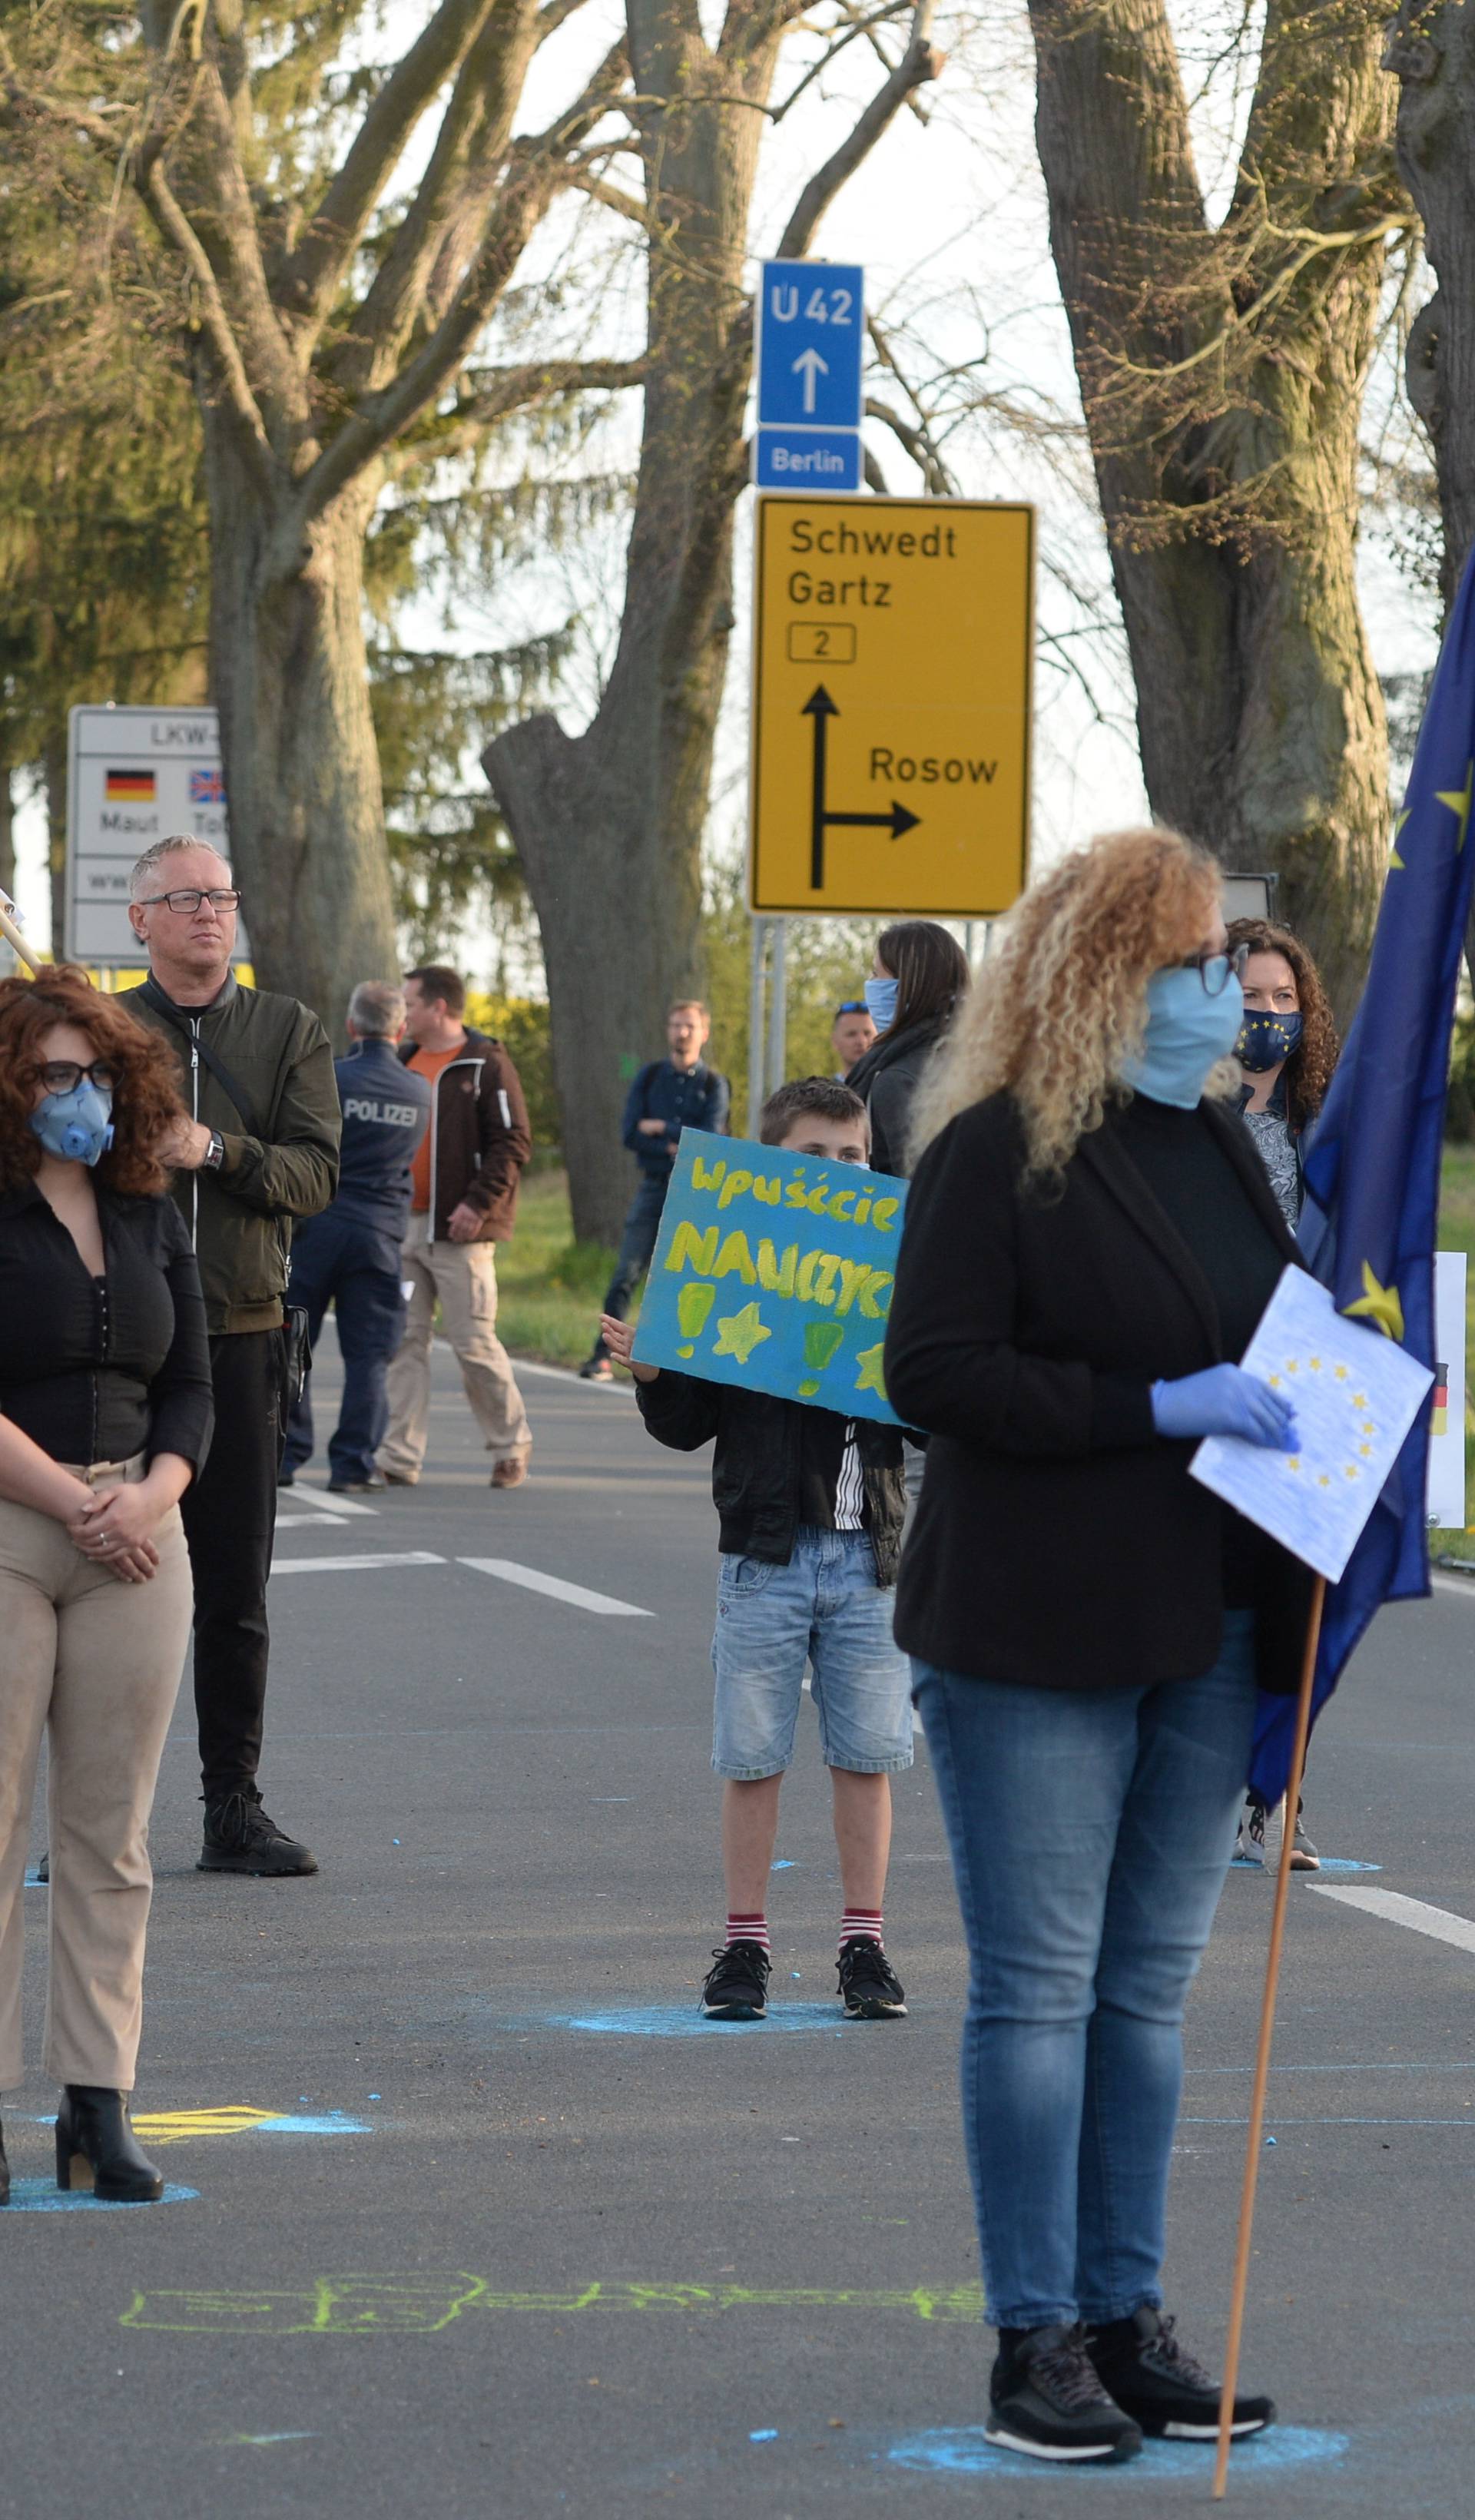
(828, 961)
(549, 1288)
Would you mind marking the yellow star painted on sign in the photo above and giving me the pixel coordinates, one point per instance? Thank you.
(870, 1378)
(1293, 1462)
(1352, 1471)
(740, 1333)
(1369, 1428)
(1458, 801)
(1291, 1365)
(1360, 1399)
(1323, 1481)
(1315, 1365)
(1275, 1383)
(1367, 1450)
(1341, 1373)
(1379, 1304)
(1394, 860)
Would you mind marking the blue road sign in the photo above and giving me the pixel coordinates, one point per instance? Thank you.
(811, 340)
(807, 459)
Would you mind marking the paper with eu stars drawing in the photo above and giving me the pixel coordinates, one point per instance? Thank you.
(775, 1272)
(1355, 1394)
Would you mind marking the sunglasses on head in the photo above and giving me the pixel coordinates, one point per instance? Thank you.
(852, 1007)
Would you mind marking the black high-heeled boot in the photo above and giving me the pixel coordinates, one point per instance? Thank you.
(4, 2170)
(96, 2148)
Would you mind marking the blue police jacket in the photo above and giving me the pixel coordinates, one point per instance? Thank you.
(387, 1111)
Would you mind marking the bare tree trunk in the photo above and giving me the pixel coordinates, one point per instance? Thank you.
(288, 676)
(1222, 375)
(609, 823)
(1431, 47)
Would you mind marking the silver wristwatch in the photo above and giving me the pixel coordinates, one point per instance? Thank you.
(214, 1154)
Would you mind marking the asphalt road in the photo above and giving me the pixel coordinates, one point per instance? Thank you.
(473, 2217)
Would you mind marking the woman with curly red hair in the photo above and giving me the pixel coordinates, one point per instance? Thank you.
(105, 1417)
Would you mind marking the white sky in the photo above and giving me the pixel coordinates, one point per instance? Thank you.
(949, 220)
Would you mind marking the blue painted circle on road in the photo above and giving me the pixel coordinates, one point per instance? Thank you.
(43, 2196)
(684, 2021)
(966, 2451)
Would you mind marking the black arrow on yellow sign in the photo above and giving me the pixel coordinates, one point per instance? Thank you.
(821, 707)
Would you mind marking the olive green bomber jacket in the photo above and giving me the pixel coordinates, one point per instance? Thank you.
(281, 1148)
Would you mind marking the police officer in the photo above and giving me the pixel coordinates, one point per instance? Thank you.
(349, 1256)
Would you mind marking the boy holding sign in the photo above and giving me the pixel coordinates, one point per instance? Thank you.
(812, 1504)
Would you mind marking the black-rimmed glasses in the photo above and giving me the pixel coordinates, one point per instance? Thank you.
(1215, 970)
(64, 1076)
(185, 904)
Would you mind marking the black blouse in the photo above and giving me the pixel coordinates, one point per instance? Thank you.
(98, 1368)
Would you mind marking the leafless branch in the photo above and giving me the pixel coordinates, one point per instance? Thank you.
(173, 225)
(918, 64)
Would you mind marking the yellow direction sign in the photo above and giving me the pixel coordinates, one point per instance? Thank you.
(892, 646)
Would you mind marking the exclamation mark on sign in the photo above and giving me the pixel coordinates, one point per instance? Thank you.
(693, 1305)
(822, 1341)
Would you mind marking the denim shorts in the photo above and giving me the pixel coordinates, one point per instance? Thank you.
(825, 1607)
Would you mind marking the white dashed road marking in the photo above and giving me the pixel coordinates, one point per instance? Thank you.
(346, 1565)
(1439, 1923)
(508, 1571)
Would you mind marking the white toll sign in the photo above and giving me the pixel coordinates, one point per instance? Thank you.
(134, 776)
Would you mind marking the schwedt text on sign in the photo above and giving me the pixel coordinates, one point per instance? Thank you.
(891, 712)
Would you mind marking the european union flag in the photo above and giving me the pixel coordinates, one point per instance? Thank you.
(1373, 1171)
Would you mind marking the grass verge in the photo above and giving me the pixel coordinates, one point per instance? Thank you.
(549, 1287)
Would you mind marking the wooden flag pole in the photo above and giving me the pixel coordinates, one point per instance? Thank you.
(13, 936)
(1267, 2034)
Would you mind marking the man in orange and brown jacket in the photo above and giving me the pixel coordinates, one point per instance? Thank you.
(464, 1204)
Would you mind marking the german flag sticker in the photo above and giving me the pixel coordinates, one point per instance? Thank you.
(129, 787)
(1441, 1419)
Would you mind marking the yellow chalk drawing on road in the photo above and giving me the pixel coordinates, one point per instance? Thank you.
(177, 2126)
(424, 2305)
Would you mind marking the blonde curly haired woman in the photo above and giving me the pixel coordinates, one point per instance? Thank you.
(1091, 1240)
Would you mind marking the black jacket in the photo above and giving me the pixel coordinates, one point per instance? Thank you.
(1059, 1539)
(685, 1098)
(97, 1373)
(886, 1080)
(755, 1468)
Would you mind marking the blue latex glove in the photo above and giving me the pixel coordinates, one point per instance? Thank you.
(1225, 1400)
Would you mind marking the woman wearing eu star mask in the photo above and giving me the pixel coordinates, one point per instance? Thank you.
(920, 974)
(1089, 1242)
(104, 1416)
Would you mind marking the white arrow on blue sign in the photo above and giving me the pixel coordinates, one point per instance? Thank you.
(810, 343)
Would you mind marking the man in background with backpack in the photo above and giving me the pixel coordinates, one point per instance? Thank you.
(671, 1094)
(260, 1147)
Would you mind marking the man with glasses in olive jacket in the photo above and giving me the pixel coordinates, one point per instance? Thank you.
(260, 1147)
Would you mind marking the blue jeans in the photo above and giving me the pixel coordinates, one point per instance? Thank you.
(637, 1242)
(825, 1607)
(342, 1261)
(1091, 1832)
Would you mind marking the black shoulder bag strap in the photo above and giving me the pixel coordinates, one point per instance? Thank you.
(179, 1017)
(296, 1346)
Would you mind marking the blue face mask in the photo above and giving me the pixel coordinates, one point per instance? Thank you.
(1265, 1039)
(1187, 1033)
(881, 999)
(76, 1126)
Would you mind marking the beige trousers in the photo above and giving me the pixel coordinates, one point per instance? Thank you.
(96, 1664)
(463, 1278)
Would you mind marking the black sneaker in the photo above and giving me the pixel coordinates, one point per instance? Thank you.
(357, 1487)
(1158, 2383)
(737, 1988)
(238, 1838)
(869, 1983)
(597, 1368)
(1046, 2400)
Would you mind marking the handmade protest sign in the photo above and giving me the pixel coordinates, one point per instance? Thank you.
(1355, 1394)
(775, 1272)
